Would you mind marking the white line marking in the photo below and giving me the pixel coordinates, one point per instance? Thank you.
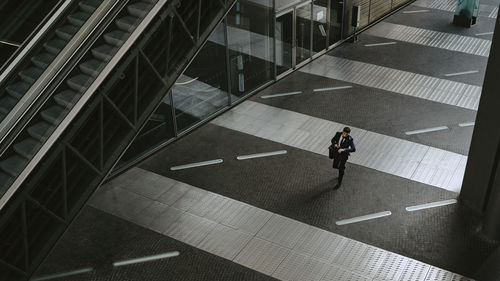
(59, 275)
(467, 124)
(431, 205)
(146, 259)
(461, 73)
(427, 130)
(380, 44)
(415, 11)
(281, 95)
(484, 33)
(364, 218)
(198, 164)
(332, 89)
(258, 155)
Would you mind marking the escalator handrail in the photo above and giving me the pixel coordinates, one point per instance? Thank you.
(40, 154)
(11, 121)
(28, 46)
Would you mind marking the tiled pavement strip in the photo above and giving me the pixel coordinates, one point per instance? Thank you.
(397, 81)
(391, 155)
(266, 242)
(451, 5)
(431, 38)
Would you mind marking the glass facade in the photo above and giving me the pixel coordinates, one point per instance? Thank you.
(258, 41)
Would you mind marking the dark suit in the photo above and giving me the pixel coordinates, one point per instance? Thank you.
(339, 159)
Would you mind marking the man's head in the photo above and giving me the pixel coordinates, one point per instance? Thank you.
(346, 131)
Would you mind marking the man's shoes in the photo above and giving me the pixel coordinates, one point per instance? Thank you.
(337, 186)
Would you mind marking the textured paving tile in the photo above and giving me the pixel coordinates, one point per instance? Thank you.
(272, 244)
(397, 81)
(449, 41)
(262, 256)
(391, 155)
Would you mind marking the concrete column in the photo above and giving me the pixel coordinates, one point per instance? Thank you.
(481, 185)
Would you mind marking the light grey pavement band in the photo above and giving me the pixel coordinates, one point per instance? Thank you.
(428, 130)
(364, 218)
(461, 73)
(417, 162)
(380, 44)
(431, 205)
(281, 95)
(437, 39)
(65, 274)
(467, 124)
(332, 88)
(258, 155)
(198, 164)
(147, 259)
(397, 81)
(269, 243)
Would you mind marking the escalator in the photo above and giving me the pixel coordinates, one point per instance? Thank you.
(69, 138)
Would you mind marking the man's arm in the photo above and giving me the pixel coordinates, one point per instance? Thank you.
(352, 147)
(335, 139)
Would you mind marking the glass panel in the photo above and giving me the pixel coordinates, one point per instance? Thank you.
(303, 33)
(157, 130)
(284, 34)
(336, 20)
(320, 25)
(18, 19)
(202, 89)
(249, 34)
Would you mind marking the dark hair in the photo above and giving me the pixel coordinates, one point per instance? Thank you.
(347, 130)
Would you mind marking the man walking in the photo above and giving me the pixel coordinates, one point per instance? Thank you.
(343, 145)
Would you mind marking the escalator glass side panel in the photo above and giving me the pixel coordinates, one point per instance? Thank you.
(94, 127)
(18, 20)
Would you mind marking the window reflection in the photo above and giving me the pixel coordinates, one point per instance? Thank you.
(249, 35)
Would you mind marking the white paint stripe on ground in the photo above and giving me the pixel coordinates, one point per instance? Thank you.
(461, 73)
(415, 11)
(281, 95)
(484, 33)
(258, 155)
(431, 205)
(65, 274)
(380, 44)
(364, 218)
(332, 88)
(198, 164)
(467, 124)
(147, 259)
(441, 128)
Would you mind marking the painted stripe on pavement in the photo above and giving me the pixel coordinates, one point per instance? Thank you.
(332, 88)
(198, 164)
(147, 259)
(484, 33)
(431, 205)
(364, 218)
(467, 124)
(281, 95)
(461, 73)
(427, 130)
(380, 44)
(65, 274)
(258, 155)
(416, 11)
